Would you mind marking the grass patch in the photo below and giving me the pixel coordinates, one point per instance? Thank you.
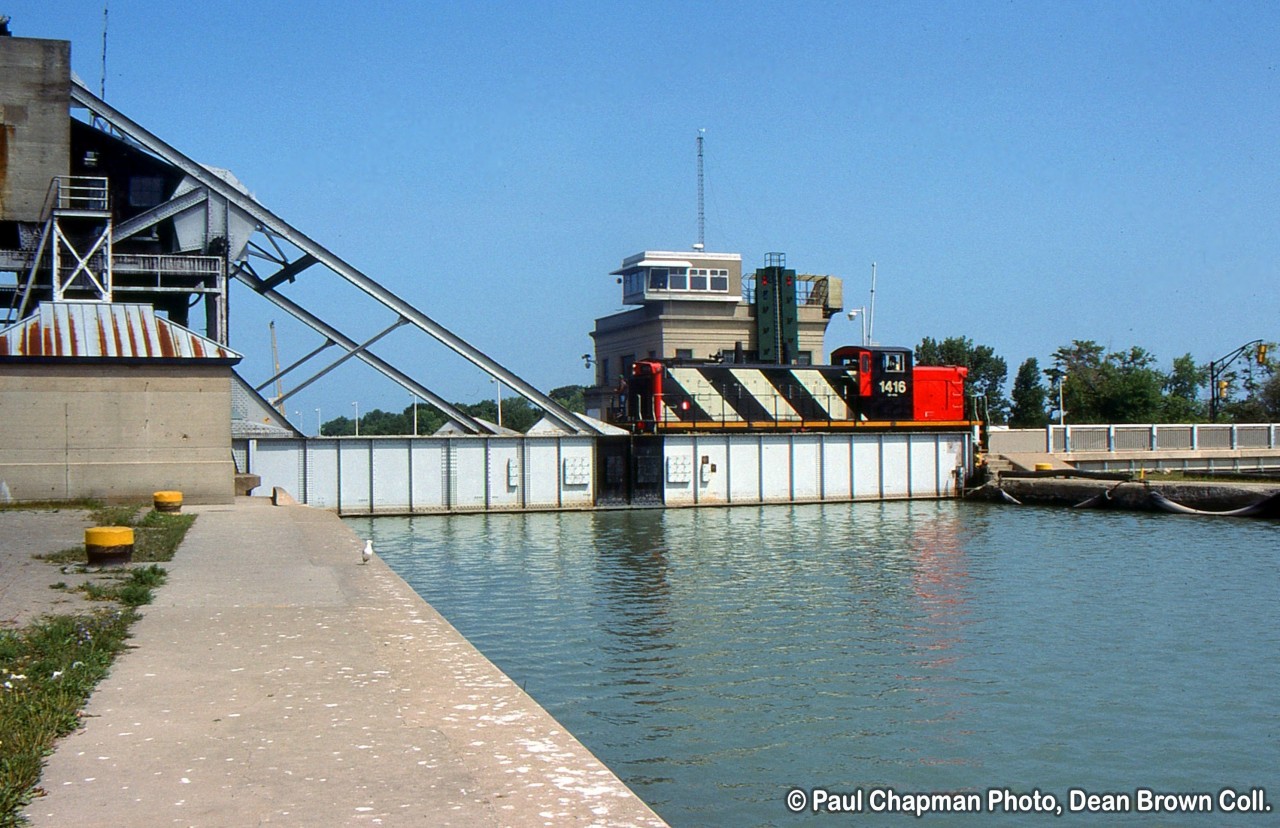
(47, 672)
(132, 589)
(48, 669)
(156, 535)
(125, 514)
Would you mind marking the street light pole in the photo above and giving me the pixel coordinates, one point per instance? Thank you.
(1062, 412)
(319, 427)
(357, 407)
(860, 313)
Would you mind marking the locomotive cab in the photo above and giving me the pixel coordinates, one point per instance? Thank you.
(644, 391)
(886, 390)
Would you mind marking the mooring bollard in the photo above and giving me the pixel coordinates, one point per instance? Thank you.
(167, 501)
(109, 545)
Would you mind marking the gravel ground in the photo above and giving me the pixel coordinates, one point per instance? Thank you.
(26, 583)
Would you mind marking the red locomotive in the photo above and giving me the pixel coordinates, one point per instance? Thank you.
(863, 387)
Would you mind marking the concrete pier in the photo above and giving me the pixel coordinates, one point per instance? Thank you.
(1133, 495)
(277, 680)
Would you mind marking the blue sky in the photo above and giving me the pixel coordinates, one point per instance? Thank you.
(1024, 174)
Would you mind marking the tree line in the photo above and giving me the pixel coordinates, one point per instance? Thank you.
(517, 414)
(1088, 385)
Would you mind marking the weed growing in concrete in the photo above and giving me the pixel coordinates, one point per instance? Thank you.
(47, 672)
(48, 669)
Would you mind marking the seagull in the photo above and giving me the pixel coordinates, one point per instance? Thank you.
(367, 553)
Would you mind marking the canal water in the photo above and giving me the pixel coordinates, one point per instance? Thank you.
(717, 659)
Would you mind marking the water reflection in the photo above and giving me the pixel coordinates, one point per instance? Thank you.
(714, 657)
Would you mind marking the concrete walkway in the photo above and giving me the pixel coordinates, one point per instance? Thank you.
(276, 680)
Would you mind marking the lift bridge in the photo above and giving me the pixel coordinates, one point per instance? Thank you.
(105, 225)
(127, 217)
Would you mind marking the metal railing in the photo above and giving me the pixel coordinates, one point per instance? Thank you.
(1161, 437)
(79, 192)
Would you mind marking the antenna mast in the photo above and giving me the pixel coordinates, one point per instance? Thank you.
(702, 222)
(871, 327)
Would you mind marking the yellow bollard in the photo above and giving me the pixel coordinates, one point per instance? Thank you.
(109, 545)
(1044, 467)
(167, 501)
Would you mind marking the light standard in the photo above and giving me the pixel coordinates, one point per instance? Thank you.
(860, 313)
(491, 379)
(357, 407)
(319, 427)
(1062, 412)
(415, 415)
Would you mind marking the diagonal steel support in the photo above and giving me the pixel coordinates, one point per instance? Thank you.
(289, 272)
(354, 352)
(464, 420)
(157, 214)
(328, 343)
(273, 224)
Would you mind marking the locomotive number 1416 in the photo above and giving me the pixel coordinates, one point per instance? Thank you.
(892, 388)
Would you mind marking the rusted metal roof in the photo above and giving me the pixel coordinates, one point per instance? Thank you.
(106, 331)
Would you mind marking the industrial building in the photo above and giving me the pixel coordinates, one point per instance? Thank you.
(101, 396)
(116, 252)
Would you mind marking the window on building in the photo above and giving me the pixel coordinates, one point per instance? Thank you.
(627, 362)
(634, 282)
(684, 353)
(804, 358)
(604, 372)
(692, 279)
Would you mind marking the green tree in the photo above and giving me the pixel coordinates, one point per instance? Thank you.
(572, 397)
(1029, 397)
(1182, 387)
(338, 427)
(1077, 369)
(1270, 398)
(987, 372)
(1120, 387)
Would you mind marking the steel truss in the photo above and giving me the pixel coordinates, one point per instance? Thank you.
(287, 267)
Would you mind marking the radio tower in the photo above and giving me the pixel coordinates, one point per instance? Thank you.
(702, 220)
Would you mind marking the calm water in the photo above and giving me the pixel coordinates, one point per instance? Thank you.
(717, 658)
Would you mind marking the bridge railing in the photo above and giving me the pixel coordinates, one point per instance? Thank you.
(1138, 437)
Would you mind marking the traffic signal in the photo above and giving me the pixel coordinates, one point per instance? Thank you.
(1223, 385)
(1262, 353)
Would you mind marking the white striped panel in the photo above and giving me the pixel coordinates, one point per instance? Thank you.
(754, 383)
(704, 394)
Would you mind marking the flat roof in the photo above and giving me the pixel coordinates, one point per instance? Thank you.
(672, 258)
